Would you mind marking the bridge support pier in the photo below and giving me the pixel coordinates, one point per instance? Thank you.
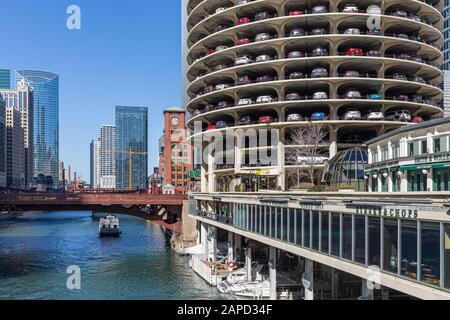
(248, 263)
(273, 273)
(367, 292)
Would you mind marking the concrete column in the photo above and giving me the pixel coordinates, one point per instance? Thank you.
(309, 269)
(334, 284)
(430, 180)
(237, 246)
(367, 293)
(248, 263)
(273, 273)
(333, 142)
(204, 237)
(231, 257)
(212, 243)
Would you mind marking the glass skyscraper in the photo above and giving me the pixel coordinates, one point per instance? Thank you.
(5, 79)
(46, 120)
(131, 147)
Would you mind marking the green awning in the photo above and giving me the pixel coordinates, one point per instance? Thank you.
(441, 165)
(419, 167)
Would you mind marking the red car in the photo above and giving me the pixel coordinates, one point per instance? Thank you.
(417, 119)
(354, 52)
(243, 20)
(265, 119)
(296, 13)
(211, 127)
(242, 41)
(210, 51)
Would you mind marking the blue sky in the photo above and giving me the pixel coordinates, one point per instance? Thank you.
(127, 53)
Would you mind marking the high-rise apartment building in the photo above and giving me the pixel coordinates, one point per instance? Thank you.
(2, 142)
(5, 79)
(175, 152)
(95, 163)
(131, 147)
(19, 106)
(45, 120)
(107, 157)
(446, 51)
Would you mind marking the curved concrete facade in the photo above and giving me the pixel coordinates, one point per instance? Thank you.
(300, 62)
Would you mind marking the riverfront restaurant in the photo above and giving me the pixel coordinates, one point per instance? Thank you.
(415, 158)
(406, 238)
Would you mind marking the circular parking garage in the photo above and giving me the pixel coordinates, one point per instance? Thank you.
(356, 69)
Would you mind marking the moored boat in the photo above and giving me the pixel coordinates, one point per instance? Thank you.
(109, 227)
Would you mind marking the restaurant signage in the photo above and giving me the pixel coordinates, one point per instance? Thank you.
(440, 157)
(384, 211)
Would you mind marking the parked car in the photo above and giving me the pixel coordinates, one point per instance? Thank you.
(221, 48)
(417, 119)
(353, 94)
(242, 41)
(417, 98)
(211, 127)
(223, 104)
(294, 117)
(374, 53)
(220, 9)
(243, 20)
(402, 36)
(351, 73)
(220, 27)
(399, 76)
(350, 8)
(319, 9)
(263, 36)
(398, 115)
(319, 73)
(404, 56)
(318, 31)
(402, 97)
(221, 124)
(415, 17)
(297, 32)
(400, 13)
(243, 60)
(352, 31)
(319, 52)
(265, 99)
(263, 58)
(293, 96)
(318, 116)
(245, 102)
(316, 160)
(208, 89)
(265, 78)
(245, 120)
(320, 95)
(265, 119)
(419, 80)
(374, 31)
(354, 52)
(220, 67)
(374, 116)
(262, 15)
(223, 86)
(374, 96)
(244, 80)
(352, 114)
(295, 12)
(296, 75)
(296, 54)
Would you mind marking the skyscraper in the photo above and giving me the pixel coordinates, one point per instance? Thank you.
(46, 120)
(95, 163)
(2, 142)
(131, 147)
(15, 155)
(446, 51)
(5, 79)
(107, 157)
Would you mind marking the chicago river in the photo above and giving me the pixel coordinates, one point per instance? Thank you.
(37, 248)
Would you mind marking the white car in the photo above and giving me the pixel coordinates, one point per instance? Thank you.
(263, 57)
(220, 9)
(245, 102)
(222, 86)
(375, 116)
(265, 99)
(221, 48)
(352, 115)
(243, 60)
(263, 36)
(317, 160)
(352, 8)
(320, 95)
(294, 117)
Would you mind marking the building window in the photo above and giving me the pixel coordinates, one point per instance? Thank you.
(325, 232)
(390, 239)
(441, 179)
(374, 157)
(374, 241)
(395, 182)
(315, 230)
(291, 225)
(273, 222)
(307, 228)
(411, 149)
(284, 229)
(409, 249)
(384, 154)
(267, 211)
(430, 242)
(360, 239)
(437, 145)
(417, 181)
(347, 237)
(424, 146)
(335, 234)
(299, 227)
(395, 151)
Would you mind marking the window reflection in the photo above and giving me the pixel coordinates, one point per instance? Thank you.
(315, 230)
(374, 241)
(335, 234)
(390, 256)
(325, 232)
(409, 249)
(430, 253)
(307, 227)
(360, 239)
(347, 237)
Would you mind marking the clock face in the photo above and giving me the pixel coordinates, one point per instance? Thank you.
(175, 121)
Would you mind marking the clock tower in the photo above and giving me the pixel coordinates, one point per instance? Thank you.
(175, 156)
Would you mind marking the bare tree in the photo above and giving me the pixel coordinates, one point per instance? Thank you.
(304, 151)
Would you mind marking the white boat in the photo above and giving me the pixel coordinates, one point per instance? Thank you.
(254, 290)
(109, 227)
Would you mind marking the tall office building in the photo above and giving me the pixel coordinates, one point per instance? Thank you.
(446, 51)
(19, 107)
(95, 163)
(107, 157)
(2, 142)
(5, 79)
(131, 147)
(46, 120)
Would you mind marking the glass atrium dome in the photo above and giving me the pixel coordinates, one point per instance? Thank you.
(346, 170)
